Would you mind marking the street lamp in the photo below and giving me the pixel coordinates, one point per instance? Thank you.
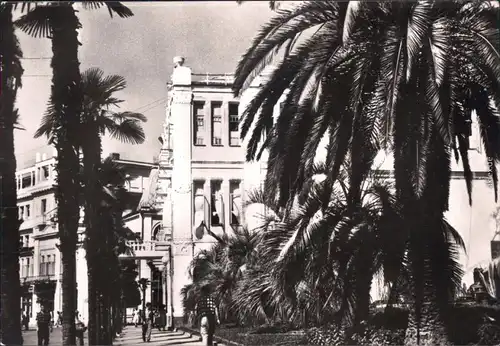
(167, 277)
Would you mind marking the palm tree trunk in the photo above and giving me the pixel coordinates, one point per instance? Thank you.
(430, 330)
(364, 276)
(67, 98)
(91, 149)
(10, 327)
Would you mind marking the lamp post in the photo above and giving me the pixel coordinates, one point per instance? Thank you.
(167, 277)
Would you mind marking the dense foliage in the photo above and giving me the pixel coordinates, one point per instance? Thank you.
(405, 76)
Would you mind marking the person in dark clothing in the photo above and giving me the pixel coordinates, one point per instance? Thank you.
(43, 319)
(80, 328)
(26, 321)
(208, 315)
(147, 324)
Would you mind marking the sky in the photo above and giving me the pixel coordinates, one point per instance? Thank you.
(212, 36)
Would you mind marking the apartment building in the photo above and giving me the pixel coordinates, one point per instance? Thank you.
(40, 259)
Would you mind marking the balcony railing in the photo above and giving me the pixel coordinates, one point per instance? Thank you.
(33, 278)
(141, 245)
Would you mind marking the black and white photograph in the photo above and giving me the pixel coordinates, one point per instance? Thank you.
(250, 173)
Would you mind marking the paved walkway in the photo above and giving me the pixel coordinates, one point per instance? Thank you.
(133, 336)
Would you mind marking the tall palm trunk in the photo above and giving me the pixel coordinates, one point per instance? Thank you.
(428, 329)
(10, 327)
(67, 99)
(91, 149)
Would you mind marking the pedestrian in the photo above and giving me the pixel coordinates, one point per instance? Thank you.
(147, 324)
(42, 322)
(208, 315)
(51, 321)
(162, 318)
(59, 319)
(80, 328)
(26, 321)
(137, 317)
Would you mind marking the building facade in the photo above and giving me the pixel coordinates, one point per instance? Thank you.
(203, 180)
(196, 191)
(40, 259)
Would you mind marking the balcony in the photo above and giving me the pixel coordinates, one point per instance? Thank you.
(25, 250)
(142, 249)
(33, 278)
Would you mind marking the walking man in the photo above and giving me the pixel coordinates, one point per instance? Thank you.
(208, 315)
(43, 319)
(147, 324)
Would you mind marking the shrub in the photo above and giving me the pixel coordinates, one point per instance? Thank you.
(467, 324)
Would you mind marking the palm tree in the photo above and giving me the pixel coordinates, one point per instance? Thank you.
(11, 72)
(273, 5)
(143, 284)
(221, 267)
(416, 71)
(114, 237)
(98, 117)
(58, 20)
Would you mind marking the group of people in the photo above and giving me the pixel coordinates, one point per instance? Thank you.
(149, 319)
(57, 323)
(207, 315)
(45, 323)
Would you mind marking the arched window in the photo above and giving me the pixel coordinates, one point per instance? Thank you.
(158, 233)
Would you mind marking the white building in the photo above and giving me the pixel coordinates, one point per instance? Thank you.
(40, 259)
(197, 187)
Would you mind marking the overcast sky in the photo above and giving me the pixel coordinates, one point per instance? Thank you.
(212, 36)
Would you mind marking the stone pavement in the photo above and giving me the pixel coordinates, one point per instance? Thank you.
(133, 336)
(130, 336)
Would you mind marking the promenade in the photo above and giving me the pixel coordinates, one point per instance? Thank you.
(130, 336)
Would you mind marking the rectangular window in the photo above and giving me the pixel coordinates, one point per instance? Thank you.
(217, 123)
(216, 203)
(43, 207)
(22, 267)
(26, 180)
(42, 265)
(26, 241)
(199, 123)
(29, 270)
(27, 211)
(45, 172)
(234, 122)
(236, 202)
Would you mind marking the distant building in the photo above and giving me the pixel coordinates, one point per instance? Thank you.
(40, 259)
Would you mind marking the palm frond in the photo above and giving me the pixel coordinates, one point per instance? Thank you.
(113, 7)
(37, 22)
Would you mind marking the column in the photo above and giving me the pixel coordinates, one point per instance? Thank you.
(36, 272)
(182, 256)
(208, 123)
(147, 222)
(169, 306)
(225, 123)
(181, 117)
